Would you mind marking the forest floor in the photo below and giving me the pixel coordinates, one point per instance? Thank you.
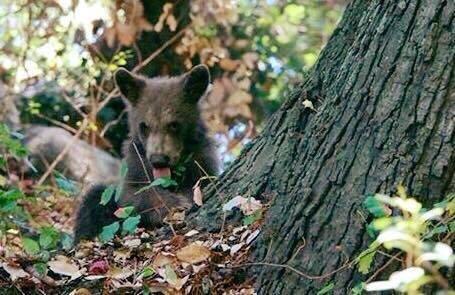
(174, 259)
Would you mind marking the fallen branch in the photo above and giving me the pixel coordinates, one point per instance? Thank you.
(63, 153)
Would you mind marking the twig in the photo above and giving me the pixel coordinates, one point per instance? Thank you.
(382, 267)
(71, 103)
(63, 153)
(57, 123)
(153, 189)
(159, 50)
(112, 123)
(298, 249)
(291, 268)
(210, 178)
(436, 275)
(46, 279)
(142, 162)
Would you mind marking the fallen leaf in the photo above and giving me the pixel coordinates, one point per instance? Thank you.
(235, 202)
(191, 233)
(250, 206)
(14, 271)
(193, 253)
(63, 266)
(133, 243)
(122, 254)
(252, 236)
(236, 248)
(162, 260)
(120, 273)
(197, 195)
(247, 205)
(80, 291)
(171, 277)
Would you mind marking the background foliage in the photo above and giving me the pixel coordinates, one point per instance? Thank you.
(59, 57)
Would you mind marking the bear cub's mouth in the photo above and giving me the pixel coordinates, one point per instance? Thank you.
(159, 172)
(161, 165)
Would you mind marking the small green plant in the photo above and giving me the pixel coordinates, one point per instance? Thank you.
(422, 236)
(128, 221)
(11, 212)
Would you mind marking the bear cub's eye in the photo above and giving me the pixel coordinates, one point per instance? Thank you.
(143, 128)
(174, 126)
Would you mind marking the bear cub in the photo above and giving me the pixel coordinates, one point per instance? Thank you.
(167, 139)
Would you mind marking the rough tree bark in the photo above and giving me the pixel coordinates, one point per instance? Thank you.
(384, 92)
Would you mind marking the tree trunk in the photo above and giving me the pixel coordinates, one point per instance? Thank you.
(383, 90)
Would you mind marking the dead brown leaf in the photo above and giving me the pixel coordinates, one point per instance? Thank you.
(193, 253)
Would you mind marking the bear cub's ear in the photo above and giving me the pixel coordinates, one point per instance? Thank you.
(129, 84)
(196, 82)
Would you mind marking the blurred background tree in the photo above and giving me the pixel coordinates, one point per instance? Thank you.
(57, 58)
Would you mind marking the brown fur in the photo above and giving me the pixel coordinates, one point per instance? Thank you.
(165, 131)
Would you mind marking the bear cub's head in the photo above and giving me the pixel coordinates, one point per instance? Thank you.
(164, 115)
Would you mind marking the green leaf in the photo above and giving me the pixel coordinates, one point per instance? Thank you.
(148, 272)
(366, 257)
(106, 196)
(381, 223)
(67, 241)
(49, 238)
(130, 224)
(164, 182)
(31, 247)
(124, 212)
(66, 185)
(250, 219)
(358, 289)
(451, 226)
(119, 189)
(364, 262)
(41, 268)
(436, 231)
(109, 232)
(375, 207)
(145, 290)
(371, 231)
(2, 161)
(326, 289)
(123, 169)
(171, 276)
(12, 145)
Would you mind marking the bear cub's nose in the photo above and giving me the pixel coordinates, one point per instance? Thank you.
(159, 160)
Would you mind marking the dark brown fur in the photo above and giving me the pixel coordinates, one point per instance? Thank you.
(165, 129)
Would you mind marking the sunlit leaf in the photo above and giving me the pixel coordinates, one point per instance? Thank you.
(148, 272)
(31, 247)
(364, 262)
